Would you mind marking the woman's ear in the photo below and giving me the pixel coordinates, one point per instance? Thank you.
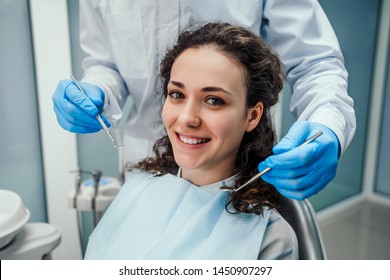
(254, 116)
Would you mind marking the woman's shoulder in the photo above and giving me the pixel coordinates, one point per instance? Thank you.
(280, 241)
(137, 176)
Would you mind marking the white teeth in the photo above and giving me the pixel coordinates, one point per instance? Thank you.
(192, 141)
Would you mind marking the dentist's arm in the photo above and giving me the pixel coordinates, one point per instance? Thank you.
(314, 64)
(309, 49)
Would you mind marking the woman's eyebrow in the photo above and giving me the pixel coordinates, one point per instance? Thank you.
(212, 89)
(205, 89)
(178, 84)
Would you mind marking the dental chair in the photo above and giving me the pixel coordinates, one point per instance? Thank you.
(20, 240)
(302, 218)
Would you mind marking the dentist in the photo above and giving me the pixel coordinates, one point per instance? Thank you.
(125, 40)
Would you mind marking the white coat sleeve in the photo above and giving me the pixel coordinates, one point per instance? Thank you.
(99, 64)
(301, 34)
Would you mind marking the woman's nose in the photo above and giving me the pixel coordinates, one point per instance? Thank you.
(189, 115)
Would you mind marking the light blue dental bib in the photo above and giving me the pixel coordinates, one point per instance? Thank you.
(167, 217)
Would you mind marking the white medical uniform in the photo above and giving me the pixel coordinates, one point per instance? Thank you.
(126, 40)
(169, 218)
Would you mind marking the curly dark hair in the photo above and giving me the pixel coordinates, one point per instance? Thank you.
(264, 82)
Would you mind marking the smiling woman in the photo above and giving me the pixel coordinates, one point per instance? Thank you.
(219, 82)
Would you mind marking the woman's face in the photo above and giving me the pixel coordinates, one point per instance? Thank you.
(205, 114)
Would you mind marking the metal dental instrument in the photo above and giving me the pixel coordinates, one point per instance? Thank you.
(258, 175)
(99, 118)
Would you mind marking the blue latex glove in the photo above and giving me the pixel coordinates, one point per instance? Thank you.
(75, 111)
(301, 172)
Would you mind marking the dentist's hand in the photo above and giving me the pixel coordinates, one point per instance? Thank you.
(301, 172)
(75, 111)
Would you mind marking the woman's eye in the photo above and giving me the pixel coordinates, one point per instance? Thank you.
(215, 101)
(176, 95)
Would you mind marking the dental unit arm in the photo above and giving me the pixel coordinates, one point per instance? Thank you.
(94, 194)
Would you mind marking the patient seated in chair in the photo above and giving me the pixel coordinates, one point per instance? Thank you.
(218, 84)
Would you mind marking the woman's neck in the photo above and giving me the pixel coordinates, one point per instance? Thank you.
(203, 178)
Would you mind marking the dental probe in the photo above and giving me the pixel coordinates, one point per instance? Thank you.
(268, 168)
(99, 118)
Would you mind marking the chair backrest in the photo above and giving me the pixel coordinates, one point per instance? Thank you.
(302, 218)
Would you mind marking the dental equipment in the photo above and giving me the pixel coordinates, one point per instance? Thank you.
(96, 175)
(20, 238)
(258, 175)
(91, 196)
(99, 118)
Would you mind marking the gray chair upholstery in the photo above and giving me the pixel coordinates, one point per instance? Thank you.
(302, 218)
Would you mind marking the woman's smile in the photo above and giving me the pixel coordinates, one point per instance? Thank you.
(191, 140)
